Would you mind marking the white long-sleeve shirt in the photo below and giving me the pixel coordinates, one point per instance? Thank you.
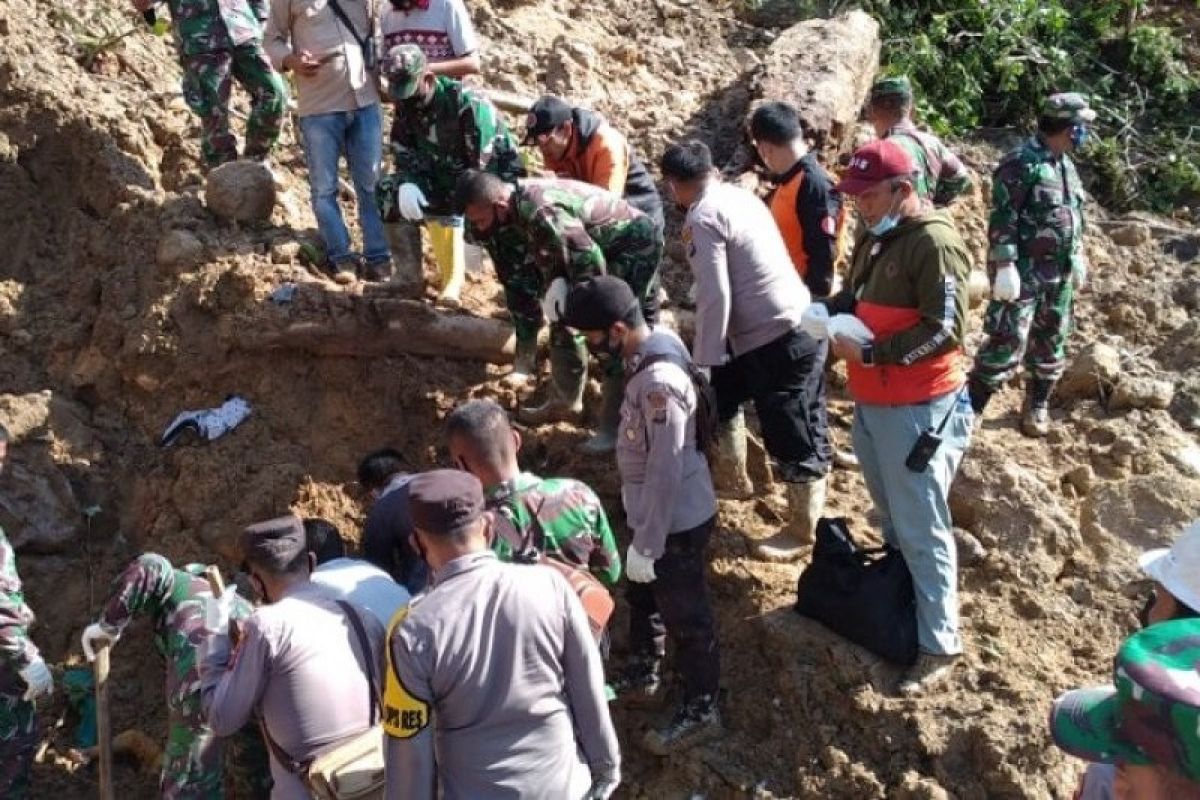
(748, 294)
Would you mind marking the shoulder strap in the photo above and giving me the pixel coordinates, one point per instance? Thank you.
(341, 15)
(535, 529)
(287, 762)
(365, 645)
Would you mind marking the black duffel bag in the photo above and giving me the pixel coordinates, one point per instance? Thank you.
(865, 595)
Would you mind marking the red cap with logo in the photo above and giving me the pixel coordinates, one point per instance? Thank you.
(874, 162)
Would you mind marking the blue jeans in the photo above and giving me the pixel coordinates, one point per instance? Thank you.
(914, 505)
(359, 135)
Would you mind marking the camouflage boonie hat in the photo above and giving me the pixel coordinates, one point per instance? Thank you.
(1151, 715)
(1068, 105)
(404, 67)
(894, 86)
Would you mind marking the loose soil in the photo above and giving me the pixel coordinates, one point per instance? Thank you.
(101, 345)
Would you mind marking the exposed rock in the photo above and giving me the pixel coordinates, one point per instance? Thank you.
(824, 67)
(1132, 234)
(1146, 511)
(1080, 478)
(1094, 370)
(180, 250)
(241, 191)
(970, 550)
(1141, 392)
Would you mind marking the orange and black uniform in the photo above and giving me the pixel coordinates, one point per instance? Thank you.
(809, 214)
(599, 154)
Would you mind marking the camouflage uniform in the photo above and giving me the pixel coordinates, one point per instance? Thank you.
(571, 518)
(175, 599)
(1151, 713)
(18, 724)
(941, 176)
(434, 143)
(1037, 223)
(221, 41)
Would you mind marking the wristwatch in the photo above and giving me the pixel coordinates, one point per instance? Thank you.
(868, 354)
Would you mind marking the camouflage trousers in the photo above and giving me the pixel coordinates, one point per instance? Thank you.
(522, 281)
(18, 736)
(198, 765)
(1035, 326)
(207, 84)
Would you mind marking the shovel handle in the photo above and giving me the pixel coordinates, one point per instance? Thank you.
(104, 721)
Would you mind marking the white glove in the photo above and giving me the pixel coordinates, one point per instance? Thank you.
(38, 679)
(1007, 285)
(95, 635)
(554, 302)
(815, 321)
(851, 327)
(603, 787)
(411, 202)
(639, 568)
(219, 610)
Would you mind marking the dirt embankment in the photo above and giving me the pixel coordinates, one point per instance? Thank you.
(106, 333)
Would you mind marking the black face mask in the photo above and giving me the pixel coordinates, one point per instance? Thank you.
(606, 351)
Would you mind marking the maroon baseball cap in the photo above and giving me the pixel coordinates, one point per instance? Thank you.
(874, 162)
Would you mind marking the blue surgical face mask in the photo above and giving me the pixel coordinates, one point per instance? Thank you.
(1079, 136)
(886, 224)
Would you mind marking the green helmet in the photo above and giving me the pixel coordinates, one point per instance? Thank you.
(893, 86)
(1071, 106)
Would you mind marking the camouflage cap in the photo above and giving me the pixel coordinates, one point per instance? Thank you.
(1151, 715)
(1068, 105)
(892, 86)
(404, 67)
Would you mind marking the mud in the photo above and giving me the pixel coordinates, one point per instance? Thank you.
(123, 300)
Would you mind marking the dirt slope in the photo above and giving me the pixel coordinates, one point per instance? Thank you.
(101, 345)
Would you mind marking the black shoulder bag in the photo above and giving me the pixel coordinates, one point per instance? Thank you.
(367, 44)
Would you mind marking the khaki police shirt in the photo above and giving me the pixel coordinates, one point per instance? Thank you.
(342, 83)
(666, 486)
(298, 665)
(748, 294)
(497, 672)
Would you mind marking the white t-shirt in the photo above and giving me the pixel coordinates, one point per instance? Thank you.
(363, 584)
(443, 30)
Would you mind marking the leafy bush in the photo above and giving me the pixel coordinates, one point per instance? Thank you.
(981, 63)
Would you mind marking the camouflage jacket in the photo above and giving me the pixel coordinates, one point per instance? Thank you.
(432, 144)
(574, 228)
(207, 26)
(174, 599)
(1037, 212)
(17, 650)
(571, 520)
(941, 176)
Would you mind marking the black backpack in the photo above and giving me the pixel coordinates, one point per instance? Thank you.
(706, 398)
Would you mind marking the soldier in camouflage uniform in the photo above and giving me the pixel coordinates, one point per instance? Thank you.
(941, 176)
(1035, 260)
(23, 673)
(221, 41)
(573, 231)
(195, 760)
(441, 129)
(571, 525)
(1147, 724)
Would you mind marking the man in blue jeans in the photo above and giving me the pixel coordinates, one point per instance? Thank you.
(899, 324)
(323, 43)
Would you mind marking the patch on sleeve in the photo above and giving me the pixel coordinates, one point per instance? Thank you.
(404, 715)
(657, 401)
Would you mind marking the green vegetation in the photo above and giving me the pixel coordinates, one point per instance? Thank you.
(989, 63)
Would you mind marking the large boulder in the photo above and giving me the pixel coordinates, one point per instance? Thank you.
(824, 67)
(39, 510)
(241, 191)
(1093, 371)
